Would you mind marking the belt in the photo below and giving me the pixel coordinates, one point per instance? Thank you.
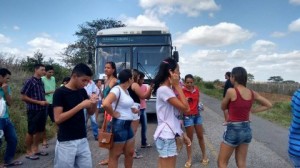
(191, 115)
(238, 122)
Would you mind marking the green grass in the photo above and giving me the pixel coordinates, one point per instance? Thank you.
(280, 113)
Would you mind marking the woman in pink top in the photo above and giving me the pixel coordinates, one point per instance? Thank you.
(168, 108)
(238, 101)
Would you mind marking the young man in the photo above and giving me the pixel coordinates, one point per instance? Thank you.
(33, 94)
(49, 85)
(5, 124)
(69, 101)
(228, 84)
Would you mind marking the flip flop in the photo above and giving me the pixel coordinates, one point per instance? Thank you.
(205, 161)
(187, 164)
(103, 162)
(146, 146)
(32, 157)
(14, 163)
(41, 154)
(45, 145)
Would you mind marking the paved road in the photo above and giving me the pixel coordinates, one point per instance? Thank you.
(267, 149)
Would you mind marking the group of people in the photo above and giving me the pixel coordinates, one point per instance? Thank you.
(122, 98)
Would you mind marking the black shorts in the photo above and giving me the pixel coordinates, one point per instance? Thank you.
(50, 112)
(36, 121)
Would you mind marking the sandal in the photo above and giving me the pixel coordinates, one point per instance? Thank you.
(32, 157)
(146, 146)
(14, 163)
(45, 145)
(205, 161)
(103, 162)
(41, 154)
(187, 164)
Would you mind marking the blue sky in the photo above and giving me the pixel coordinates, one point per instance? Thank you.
(212, 36)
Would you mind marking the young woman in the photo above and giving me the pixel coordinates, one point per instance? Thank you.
(192, 120)
(110, 81)
(238, 101)
(136, 94)
(168, 107)
(122, 114)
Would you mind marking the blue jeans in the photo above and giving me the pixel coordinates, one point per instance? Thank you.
(295, 161)
(122, 130)
(237, 133)
(143, 121)
(75, 153)
(11, 139)
(166, 147)
(192, 120)
(94, 123)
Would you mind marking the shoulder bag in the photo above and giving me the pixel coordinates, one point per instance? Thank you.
(105, 138)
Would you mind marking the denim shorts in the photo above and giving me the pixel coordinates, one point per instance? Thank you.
(192, 120)
(122, 130)
(237, 133)
(166, 147)
(295, 160)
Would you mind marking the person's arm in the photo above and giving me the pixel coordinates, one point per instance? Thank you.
(179, 102)
(61, 116)
(265, 104)
(107, 104)
(142, 95)
(93, 107)
(7, 94)
(27, 99)
(225, 102)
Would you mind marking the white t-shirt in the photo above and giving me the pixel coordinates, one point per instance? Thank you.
(91, 88)
(125, 103)
(166, 113)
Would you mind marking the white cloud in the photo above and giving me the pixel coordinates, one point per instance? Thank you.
(278, 34)
(212, 64)
(263, 46)
(295, 2)
(222, 34)
(4, 39)
(49, 47)
(143, 20)
(191, 7)
(16, 28)
(295, 26)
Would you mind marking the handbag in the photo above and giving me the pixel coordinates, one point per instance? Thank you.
(178, 139)
(105, 139)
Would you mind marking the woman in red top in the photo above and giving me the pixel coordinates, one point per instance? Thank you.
(192, 120)
(238, 101)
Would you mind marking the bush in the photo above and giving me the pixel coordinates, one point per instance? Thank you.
(209, 85)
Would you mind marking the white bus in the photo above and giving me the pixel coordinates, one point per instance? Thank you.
(141, 48)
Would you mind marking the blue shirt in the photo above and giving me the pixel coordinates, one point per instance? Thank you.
(2, 95)
(294, 137)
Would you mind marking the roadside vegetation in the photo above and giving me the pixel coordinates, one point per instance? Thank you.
(279, 114)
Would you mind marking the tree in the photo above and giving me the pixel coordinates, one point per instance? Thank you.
(250, 77)
(198, 79)
(84, 47)
(28, 63)
(275, 79)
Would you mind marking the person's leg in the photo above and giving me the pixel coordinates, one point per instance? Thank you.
(134, 126)
(84, 155)
(114, 154)
(94, 126)
(169, 162)
(65, 154)
(143, 121)
(224, 155)
(128, 152)
(189, 133)
(35, 143)
(199, 132)
(11, 139)
(28, 142)
(241, 155)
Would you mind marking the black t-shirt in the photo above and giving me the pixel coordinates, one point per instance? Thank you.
(228, 85)
(74, 127)
(133, 95)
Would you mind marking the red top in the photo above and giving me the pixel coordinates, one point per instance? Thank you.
(193, 100)
(239, 109)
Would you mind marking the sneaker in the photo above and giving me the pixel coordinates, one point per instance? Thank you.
(146, 146)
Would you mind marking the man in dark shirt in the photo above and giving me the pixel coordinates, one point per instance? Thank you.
(228, 84)
(33, 94)
(69, 101)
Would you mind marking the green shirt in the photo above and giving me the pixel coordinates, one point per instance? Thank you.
(49, 85)
(2, 95)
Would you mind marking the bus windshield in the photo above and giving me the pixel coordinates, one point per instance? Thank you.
(141, 52)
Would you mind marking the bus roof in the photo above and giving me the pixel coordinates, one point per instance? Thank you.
(134, 30)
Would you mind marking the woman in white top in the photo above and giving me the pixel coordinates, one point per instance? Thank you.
(169, 103)
(118, 104)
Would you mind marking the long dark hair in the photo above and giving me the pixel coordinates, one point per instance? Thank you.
(113, 66)
(240, 75)
(163, 72)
